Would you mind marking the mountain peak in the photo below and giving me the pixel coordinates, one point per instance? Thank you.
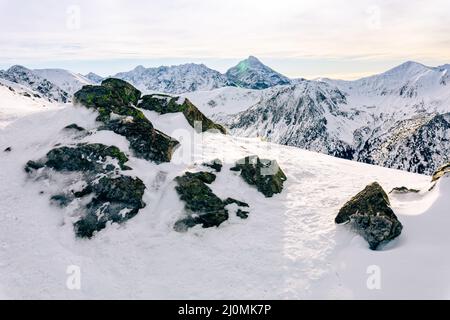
(251, 73)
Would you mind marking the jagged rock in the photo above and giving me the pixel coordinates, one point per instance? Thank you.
(265, 174)
(440, 172)
(114, 197)
(115, 200)
(216, 164)
(114, 101)
(202, 205)
(9, 149)
(166, 104)
(404, 190)
(240, 213)
(82, 157)
(371, 215)
(127, 93)
(74, 127)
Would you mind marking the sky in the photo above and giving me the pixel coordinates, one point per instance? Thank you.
(344, 39)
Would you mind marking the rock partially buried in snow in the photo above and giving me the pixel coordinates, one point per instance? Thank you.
(441, 171)
(115, 100)
(166, 104)
(403, 190)
(265, 174)
(115, 200)
(371, 215)
(202, 205)
(107, 196)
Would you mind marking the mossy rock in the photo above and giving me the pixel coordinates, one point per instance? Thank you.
(82, 157)
(440, 172)
(202, 205)
(265, 174)
(371, 215)
(114, 100)
(115, 200)
(128, 94)
(163, 104)
(145, 141)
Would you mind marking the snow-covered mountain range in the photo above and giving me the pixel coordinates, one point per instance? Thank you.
(398, 119)
(174, 79)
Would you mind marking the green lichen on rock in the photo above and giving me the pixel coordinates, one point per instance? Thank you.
(111, 197)
(115, 200)
(163, 104)
(265, 174)
(371, 215)
(82, 157)
(114, 100)
(202, 205)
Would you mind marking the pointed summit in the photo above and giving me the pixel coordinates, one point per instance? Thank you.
(251, 73)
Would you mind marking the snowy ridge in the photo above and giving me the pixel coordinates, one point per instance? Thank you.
(174, 79)
(396, 119)
(66, 80)
(33, 81)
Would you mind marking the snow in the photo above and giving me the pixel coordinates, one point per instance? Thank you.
(289, 247)
(68, 81)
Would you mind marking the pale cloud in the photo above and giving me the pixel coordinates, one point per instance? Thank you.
(322, 29)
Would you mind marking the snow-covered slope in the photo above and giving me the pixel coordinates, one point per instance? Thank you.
(289, 247)
(17, 101)
(397, 119)
(174, 79)
(253, 74)
(68, 81)
(33, 81)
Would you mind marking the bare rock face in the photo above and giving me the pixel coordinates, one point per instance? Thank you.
(371, 215)
(441, 171)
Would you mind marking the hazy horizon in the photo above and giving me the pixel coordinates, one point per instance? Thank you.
(324, 38)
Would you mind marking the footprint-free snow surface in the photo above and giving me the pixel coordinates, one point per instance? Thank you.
(289, 247)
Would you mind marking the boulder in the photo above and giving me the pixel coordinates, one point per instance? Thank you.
(265, 174)
(202, 205)
(371, 215)
(82, 157)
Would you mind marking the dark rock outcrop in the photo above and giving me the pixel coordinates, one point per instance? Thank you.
(440, 172)
(265, 174)
(202, 205)
(371, 215)
(115, 100)
(163, 104)
(82, 157)
(403, 190)
(111, 197)
(114, 200)
(215, 164)
(74, 127)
